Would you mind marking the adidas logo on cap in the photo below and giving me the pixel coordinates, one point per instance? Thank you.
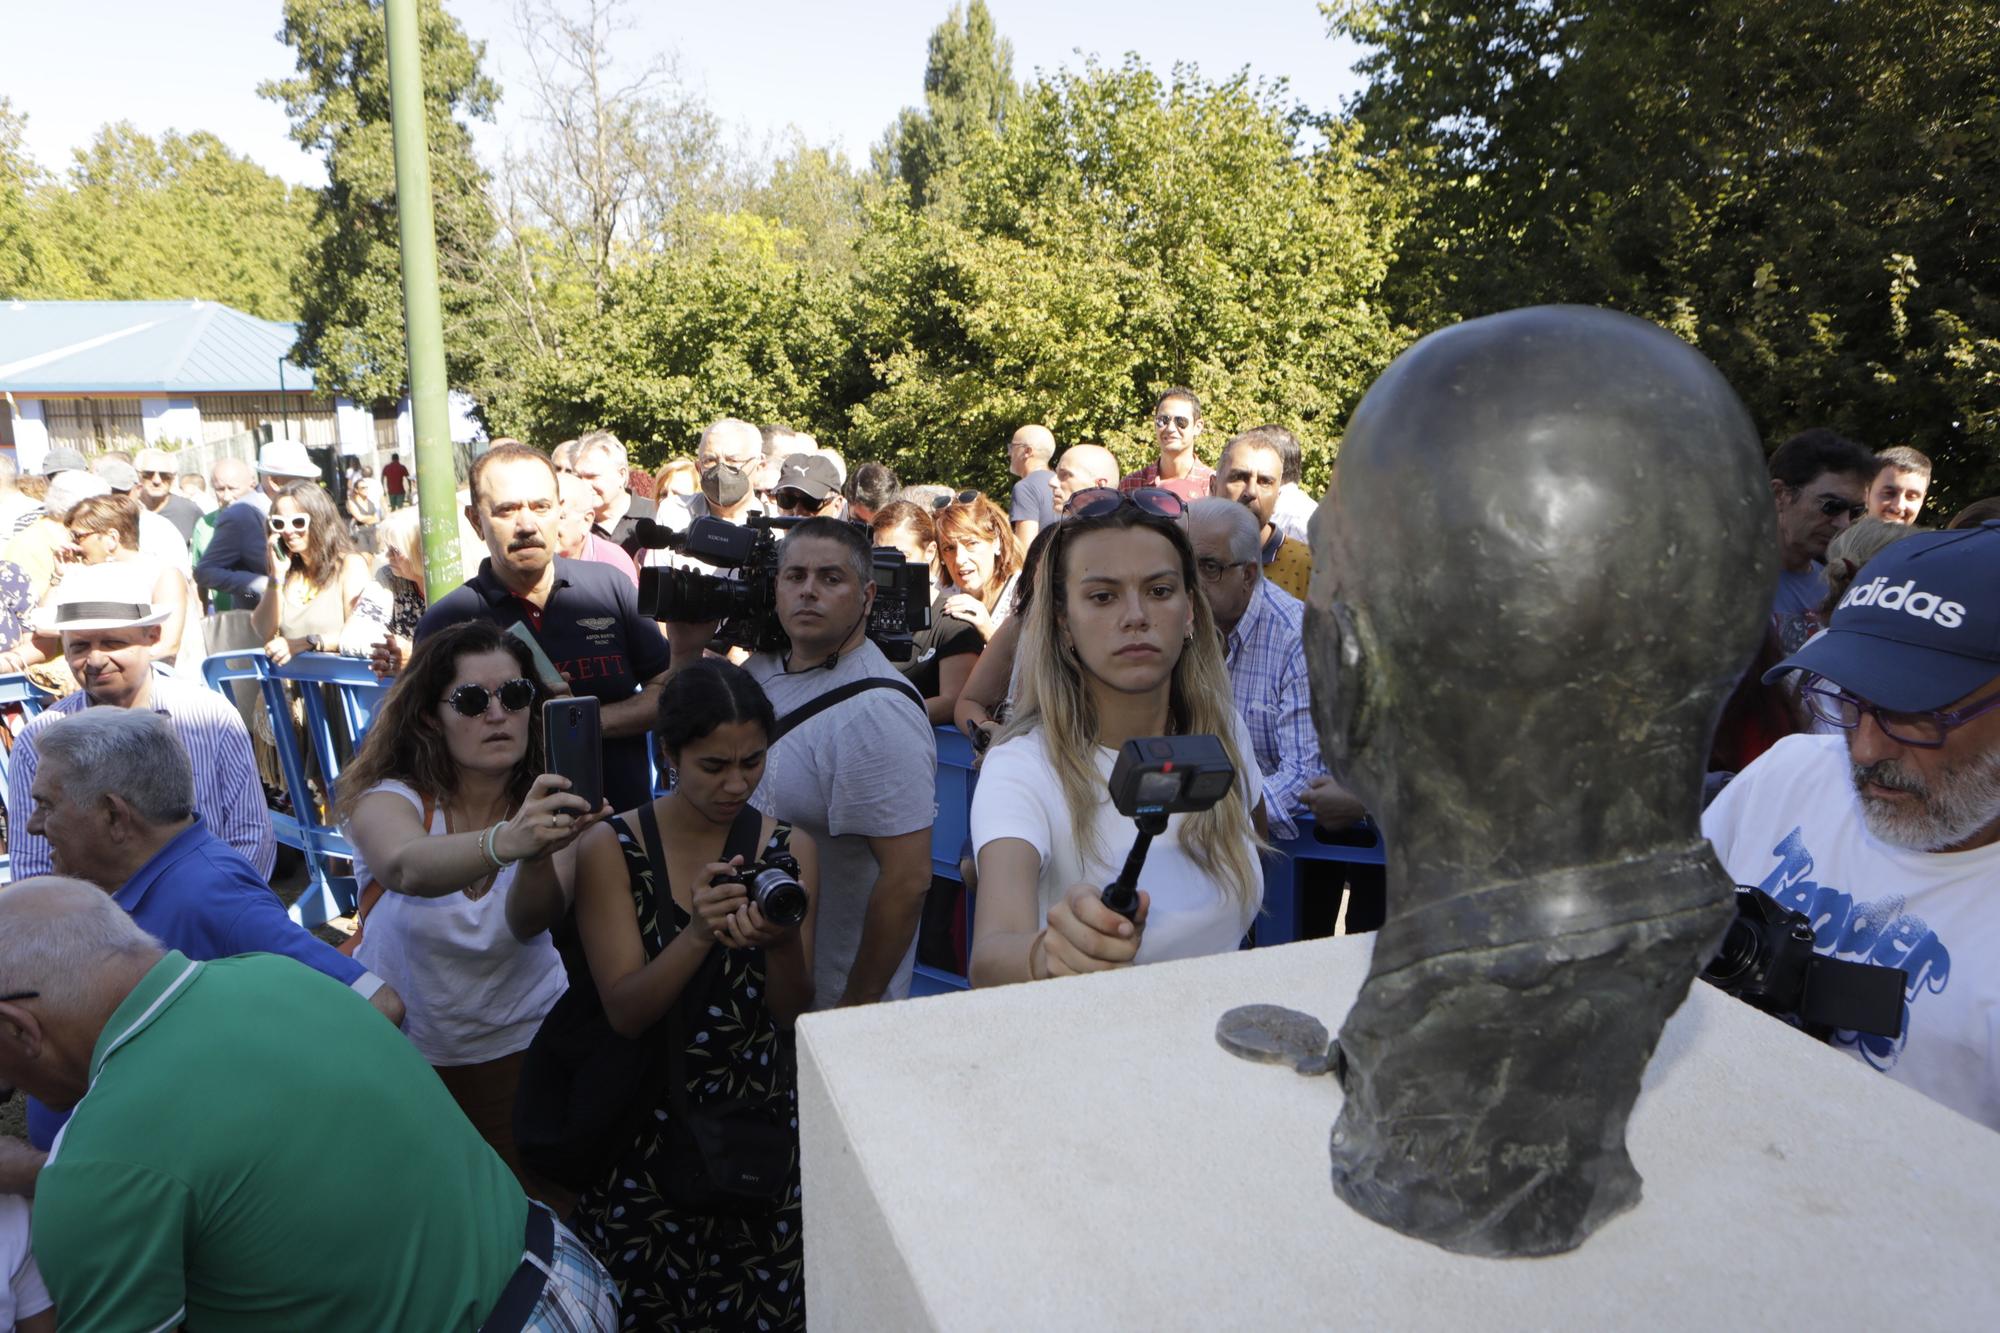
(1906, 597)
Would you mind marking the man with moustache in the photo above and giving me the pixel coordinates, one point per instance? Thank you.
(584, 615)
(1888, 837)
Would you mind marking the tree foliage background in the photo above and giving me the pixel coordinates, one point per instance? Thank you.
(1805, 192)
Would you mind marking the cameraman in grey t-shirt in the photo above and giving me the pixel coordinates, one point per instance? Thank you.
(859, 776)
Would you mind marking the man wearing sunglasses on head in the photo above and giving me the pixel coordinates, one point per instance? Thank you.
(1819, 481)
(1888, 836)
(1176, 424)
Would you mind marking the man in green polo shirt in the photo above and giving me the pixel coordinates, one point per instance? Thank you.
(251, 1148)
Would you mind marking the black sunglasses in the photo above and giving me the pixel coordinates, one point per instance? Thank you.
(1833, 504)
(1101, 500)
(471, 700)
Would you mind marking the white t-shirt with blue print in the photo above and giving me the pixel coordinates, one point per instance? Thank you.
(1791, 825)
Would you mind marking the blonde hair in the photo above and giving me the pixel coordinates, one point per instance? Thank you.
(1055, 699)
(401, 530)
(1853, 547)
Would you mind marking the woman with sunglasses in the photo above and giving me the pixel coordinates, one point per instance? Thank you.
(451, 815)
(982, 557)
(316, 575)
(1118, 643)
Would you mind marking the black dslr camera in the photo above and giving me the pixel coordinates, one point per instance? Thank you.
(1767, 960)
(1158, 776)
(773, 884)
(747, 605)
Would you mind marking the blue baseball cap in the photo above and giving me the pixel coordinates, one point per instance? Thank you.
(1919, 627)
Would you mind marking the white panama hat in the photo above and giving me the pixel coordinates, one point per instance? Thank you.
(286, 458)
(98, 597)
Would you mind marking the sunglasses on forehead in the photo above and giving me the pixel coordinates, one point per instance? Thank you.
(1101, 500)
(284, 523)
(471, 700)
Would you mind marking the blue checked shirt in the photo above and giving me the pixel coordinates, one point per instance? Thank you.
(227, 793)
(1267, 675)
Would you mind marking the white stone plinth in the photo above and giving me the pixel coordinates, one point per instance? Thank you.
(1081, 1154)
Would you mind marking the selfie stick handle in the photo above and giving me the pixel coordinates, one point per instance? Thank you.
(1121, 895)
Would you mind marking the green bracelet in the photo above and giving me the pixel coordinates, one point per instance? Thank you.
(486, 846)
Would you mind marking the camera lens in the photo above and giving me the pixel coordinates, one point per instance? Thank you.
(781, 898)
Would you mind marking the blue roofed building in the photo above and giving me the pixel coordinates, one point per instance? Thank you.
(190, 375)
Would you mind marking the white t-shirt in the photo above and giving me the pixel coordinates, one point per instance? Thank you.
(1020, 796)
(472, 993)
(22, 1294)
(1791, 825)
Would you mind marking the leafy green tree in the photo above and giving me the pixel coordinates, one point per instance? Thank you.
(350, 288)
(20, 263)
(1124, 234)
(726, 326)
(968, 93)
(1805, 192)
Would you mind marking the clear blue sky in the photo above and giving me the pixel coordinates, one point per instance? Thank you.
(839, 72)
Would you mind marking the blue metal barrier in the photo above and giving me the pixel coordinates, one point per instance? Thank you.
(16, 691)
(360, 694)
(1280, 920)
(950, 834)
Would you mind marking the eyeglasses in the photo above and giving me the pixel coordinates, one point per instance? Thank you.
(1212, 569)
(283, 523)
(1177, 422)
(471, 700)
(1830, 505)
(156, 476)
(1101, 500)
(1925, 731)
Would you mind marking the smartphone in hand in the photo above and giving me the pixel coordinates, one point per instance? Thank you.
(573, 747)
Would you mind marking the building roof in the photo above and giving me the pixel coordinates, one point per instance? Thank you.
(163, 347)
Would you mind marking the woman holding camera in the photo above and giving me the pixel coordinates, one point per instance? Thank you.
(1118, 643)
(451, 816)
(681, 951)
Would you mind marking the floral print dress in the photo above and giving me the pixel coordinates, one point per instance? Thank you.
(684, 1272)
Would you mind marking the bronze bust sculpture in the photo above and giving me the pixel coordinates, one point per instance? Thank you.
(1546, 558)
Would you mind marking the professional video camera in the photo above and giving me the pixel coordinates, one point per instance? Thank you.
(1158, 776)
(747, 604)
(1767, 960)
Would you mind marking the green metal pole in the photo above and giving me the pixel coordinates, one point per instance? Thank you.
(437, 483)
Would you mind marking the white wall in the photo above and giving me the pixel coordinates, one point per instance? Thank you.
(357, 428)
(175, 419)
(31, 437)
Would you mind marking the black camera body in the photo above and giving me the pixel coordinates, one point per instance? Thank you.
(747, 604)
(1153, 778)
(773, 884)
(1767, 960)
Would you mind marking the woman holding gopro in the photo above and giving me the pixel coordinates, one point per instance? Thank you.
(683, 953)
(451, 815)
(1118, 643)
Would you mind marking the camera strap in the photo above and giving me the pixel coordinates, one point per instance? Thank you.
(813, 708)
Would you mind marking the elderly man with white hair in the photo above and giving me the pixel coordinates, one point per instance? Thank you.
(157, 473)
(730, 462)
(601, 461)
(113, 799)
(179, 1195)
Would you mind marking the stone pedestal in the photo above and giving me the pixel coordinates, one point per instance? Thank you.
(1081, 1153)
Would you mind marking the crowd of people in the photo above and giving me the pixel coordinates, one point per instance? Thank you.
(588, 1119)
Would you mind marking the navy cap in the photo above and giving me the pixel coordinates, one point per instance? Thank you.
(1919, 627)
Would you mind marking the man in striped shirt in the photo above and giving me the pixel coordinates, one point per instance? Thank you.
(106, 640)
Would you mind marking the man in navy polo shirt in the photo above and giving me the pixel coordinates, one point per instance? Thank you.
(114, 796)
(585, 616)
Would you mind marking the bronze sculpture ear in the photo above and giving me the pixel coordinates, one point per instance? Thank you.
(1546, 559)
